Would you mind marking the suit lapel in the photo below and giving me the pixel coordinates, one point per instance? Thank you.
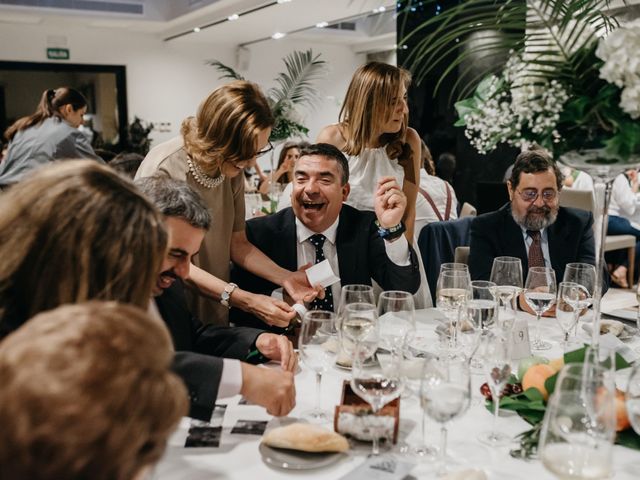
(512, 234)
(345, 247)
(289, 239)
(556, 234)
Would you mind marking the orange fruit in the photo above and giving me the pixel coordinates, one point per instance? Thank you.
(622, 419)
(535, 378)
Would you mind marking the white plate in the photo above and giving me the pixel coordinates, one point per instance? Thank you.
(296, 460)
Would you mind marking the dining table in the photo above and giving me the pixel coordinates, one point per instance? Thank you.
(238, 454)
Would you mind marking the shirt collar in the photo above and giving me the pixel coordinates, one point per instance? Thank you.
(304, 233)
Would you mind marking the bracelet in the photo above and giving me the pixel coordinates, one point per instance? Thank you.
(226, 294)
(390, 233)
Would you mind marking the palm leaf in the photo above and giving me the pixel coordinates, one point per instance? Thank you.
(546, 32)
(295, 86)
(227, 72)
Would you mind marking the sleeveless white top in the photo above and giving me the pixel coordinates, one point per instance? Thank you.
(365, 170)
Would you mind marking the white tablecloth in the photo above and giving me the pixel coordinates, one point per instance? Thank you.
(238, 456)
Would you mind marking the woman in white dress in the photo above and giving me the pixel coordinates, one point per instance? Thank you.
(373, 133)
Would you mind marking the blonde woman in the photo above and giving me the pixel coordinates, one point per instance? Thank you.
(373, 133)
(231, 128)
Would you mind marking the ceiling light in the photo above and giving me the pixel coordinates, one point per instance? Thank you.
(233, 17)
(196, 30)
(278, 35)
(322, 24)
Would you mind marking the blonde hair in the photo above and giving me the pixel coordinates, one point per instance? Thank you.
(74, 231)
(226, 125)
(369, 103)
(87, 393)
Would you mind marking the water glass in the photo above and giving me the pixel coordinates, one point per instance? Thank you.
(452, 292)
(317, 346)
(540, 295)
(583, 274)
(445, 394)
(377, 384)
(396, 320)
(506, 273)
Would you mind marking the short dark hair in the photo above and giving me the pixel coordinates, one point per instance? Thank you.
(329, 151)
(534, 160)
(126, 163)
(174, 198)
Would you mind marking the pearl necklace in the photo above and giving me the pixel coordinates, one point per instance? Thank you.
(202, 178)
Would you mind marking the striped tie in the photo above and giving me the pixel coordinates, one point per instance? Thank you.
(326, 303)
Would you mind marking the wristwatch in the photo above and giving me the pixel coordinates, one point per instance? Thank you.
(390, 233)
(226, 294)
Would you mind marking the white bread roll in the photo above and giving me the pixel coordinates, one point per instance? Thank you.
(306, 437)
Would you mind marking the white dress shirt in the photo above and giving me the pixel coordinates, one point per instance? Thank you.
(397, 251)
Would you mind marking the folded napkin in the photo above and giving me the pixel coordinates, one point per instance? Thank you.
(469, 474)
(607, 326)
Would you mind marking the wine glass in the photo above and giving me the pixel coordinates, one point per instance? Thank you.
(569, 302)
(454, 266)
(540, 295)
(481, 311)
(452, 292)
(377, 384)
(576, 440)
(445, 394)
(583, 274)
(506, 273)
(494, 351)
(349, 294)
(317, 346)
(396, 320)
(360, 328)
(632, 397)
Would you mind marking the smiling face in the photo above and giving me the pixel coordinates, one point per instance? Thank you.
(399, 109)
(184, 244)
(539, 213)
(233, 169)
(317, 193)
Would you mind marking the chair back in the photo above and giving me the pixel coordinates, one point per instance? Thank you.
(461, 255)
(582, 199)
(468, 210)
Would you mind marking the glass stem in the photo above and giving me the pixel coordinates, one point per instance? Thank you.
(537, 335)
(565, 343)
(496, 410)
(318, 389)
(442, 460)
(375, 449)
(424, 429)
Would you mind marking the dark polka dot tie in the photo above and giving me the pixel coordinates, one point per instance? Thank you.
(326, 303)
(536, 257)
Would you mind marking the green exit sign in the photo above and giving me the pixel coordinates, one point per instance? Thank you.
(58, 53)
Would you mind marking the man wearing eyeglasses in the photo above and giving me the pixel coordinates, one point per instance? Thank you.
(532, 226)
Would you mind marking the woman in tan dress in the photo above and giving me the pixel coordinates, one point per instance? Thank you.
(230, 130)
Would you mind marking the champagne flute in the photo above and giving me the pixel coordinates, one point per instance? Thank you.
(576, 440)
(445, 394)
(506, 273)
(376, 384)
(540, 295)
(583, 274)
(569, 302)
(396, 312)
(495, 353)
(452, 292)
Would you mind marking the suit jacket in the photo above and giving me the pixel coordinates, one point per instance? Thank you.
(361, 252)
(200, 349)
(496, 234)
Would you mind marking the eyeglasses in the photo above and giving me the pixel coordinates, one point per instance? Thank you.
(531, 194)
(265, 150)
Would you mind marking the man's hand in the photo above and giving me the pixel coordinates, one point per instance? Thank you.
(273, 389)
(298, 288)
(390, 202)
(278, 347)
(270, 310)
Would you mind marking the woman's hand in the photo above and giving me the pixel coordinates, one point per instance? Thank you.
(278, 347)
(297, 286)
(268, 309)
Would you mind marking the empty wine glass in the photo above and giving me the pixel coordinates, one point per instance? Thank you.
(396, 319)
(452, 292)
(360, 328)
(445, 394)
(569, 303)
(632, 397)
(377, 384)
(506, 273)
(540, 295)
(454, 266)
(583, 274)
(578, 429)
(318, 345)
(495, 353)
(481, 310)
